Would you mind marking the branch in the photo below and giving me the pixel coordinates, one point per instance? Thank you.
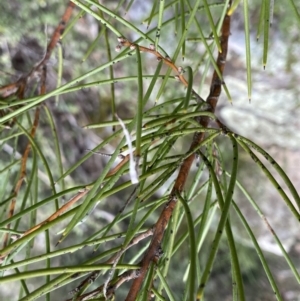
(25, 157)
(109, 287)
(19, 86)
(160, 226)
(166, 60)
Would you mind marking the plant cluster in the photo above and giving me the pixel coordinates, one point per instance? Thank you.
(173, 201)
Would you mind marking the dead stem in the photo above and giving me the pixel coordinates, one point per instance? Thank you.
(108, 288)
(166, 60)
(19, 88)
(25, 156)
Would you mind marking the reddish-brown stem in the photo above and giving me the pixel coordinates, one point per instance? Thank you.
(166, 214)
(19, 87)
(61, 210)
(160, 57)
(57, 33)
(114, 259)
(25, 156)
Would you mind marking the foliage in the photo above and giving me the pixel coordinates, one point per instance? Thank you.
(181, 221)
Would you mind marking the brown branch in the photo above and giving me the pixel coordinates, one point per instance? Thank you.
(216, 83)
(108, 288)
(19, 86)
(165, 216)
(57, 33)
(25, 157)
(62, 209)
(166, 60)
(125, 277)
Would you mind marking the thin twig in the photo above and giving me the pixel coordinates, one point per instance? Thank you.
(19, 86)
(25, 156)
(166, 60)
(107, 288)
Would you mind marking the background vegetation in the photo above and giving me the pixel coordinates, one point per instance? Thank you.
(61, 163)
